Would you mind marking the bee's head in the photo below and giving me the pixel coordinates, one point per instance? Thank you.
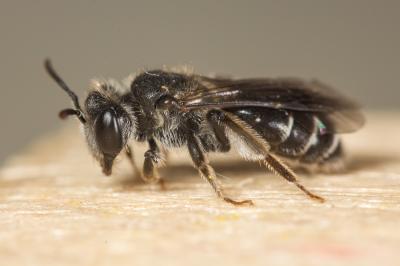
(107, 122)
(109, 125)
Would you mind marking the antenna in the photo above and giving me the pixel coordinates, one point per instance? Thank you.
(66, 112)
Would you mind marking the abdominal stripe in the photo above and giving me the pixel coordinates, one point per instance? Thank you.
(292, 134)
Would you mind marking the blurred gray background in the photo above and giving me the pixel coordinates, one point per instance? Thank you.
(352, 45)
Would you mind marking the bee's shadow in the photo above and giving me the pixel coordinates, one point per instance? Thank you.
(178, 173)
(236, 169)
(232, 169)
(366, 161)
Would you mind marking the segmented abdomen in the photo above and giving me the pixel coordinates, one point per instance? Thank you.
(295, 135)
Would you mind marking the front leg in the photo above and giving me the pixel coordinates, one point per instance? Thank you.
(129, 154)
(200, 161)
(151, 157)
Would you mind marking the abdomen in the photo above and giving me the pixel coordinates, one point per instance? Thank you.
(298, 136)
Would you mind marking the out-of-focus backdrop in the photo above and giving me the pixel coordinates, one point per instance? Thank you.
(352, 45)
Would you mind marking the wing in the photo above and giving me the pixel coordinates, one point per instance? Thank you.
(338, 112)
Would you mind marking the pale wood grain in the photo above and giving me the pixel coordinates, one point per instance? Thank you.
(56, 208)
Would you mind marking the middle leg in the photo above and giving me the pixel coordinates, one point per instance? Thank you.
(200, 161)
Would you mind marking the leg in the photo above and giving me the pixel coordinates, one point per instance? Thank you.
(219, 131)
(129, 153)
(259, 146)
(151, 157)
(275, 165)
(201, 163)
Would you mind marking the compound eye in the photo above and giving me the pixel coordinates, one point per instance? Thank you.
(108, 133)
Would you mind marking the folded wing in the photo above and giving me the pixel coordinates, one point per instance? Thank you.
(340, 114)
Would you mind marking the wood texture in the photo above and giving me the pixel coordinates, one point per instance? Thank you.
(56, 208)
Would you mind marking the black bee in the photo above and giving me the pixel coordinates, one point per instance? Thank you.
(267, 120)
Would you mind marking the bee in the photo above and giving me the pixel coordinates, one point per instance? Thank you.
(276, 121)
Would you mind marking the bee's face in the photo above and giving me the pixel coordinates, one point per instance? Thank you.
(108, 137)
(107, 129)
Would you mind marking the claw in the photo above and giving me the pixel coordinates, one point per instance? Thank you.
(239, 203)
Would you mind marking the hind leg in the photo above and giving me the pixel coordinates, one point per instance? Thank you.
(261, 149)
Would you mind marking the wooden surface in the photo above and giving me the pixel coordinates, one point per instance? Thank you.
(56, 208)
